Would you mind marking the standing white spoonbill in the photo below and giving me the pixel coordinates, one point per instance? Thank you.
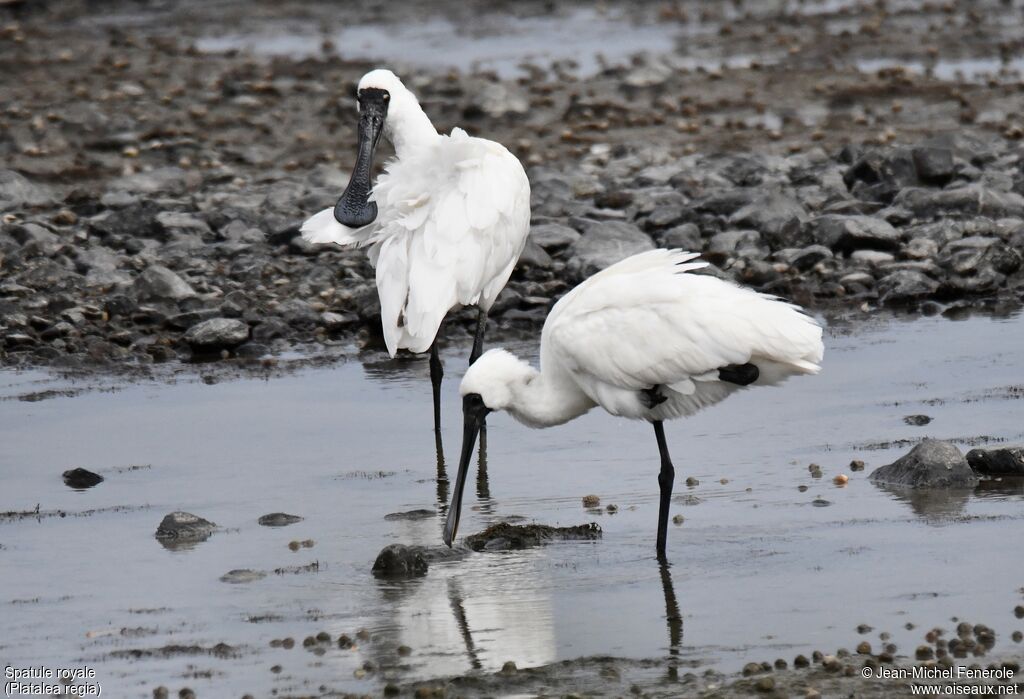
(445, 222)
(643, 339)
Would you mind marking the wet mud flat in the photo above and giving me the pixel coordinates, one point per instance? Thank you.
(159, 159)
(300, 479)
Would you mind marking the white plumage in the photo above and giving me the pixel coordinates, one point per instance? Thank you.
(644, 339)
(648, 322)
(454, 213)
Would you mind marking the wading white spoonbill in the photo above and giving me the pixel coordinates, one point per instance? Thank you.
(643, 339)
(445, 222)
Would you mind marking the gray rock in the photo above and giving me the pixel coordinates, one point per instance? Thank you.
(217, 333)
(16, 192)
(872, 258)
(804, 258)
(905, 286)
(298, 312)
(242, 575)
(184, 527)
(685, 237)
(848, 233)
(158, 282)
(972, 199)
(878, 175)
(533, 255)
(278, 519)
(730, 241)
(931, 464)
(663, 216)
(334, 322)
(33, 234)
(166, 179)
(778, 217)
(171, 223)
(934, 165)
(920, 249)
(603, 244)
(551, 236)
(997, 462)
(400, 561)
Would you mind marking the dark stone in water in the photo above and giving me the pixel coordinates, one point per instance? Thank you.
(917, 420)
(400, 561)
(997, 462)
(80, 478)
(182, 529)
(411, 514)
(511, 537)
(931, 464)
(242, 575)
(278, 519)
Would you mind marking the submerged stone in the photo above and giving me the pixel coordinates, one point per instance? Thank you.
(509, 537)
(80, 478)
(180, 529)
(400, 561)
(278, 519)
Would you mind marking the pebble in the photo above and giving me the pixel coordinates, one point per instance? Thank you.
(841, 479)
(678, 520)
(591, 501)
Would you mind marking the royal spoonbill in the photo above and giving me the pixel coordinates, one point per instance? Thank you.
(644, 339)
(445, 222)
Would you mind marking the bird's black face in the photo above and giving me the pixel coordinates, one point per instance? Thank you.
(353, 209)
(474, 412)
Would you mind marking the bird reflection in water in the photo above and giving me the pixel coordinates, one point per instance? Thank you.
(673, 618)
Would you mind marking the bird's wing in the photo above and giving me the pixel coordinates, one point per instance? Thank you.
(322, 227)
(454, 220)
(646, 322)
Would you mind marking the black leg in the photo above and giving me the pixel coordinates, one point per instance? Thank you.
(442, 472)
(478, 341)
(483, 487)
(436, 373)
(478, 349)
(665, 479)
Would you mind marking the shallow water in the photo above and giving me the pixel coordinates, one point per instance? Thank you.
(501, 43)
(758, 571)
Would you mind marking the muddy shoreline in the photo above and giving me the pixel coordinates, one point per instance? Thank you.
(151, 188)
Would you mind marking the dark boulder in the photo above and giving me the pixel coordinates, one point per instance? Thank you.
(183, 529)
(81, 478)
(997, 462)
(930, 464)
(400, 561)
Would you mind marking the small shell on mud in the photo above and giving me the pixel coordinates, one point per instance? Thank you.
(591, 501)
(841, 479)
(864, 648)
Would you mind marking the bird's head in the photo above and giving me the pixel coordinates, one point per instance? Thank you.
(494, 378)
(377, 90)
(490, 384)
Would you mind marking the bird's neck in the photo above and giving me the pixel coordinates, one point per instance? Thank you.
(408, 127)
(547, 400)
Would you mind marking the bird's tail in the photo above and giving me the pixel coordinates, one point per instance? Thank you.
(324, 228)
